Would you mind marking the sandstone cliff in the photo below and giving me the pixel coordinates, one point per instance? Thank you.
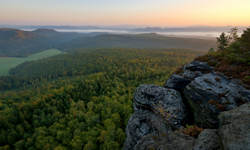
(194, 94)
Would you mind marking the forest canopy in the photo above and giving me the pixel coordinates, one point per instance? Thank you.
(80, 100)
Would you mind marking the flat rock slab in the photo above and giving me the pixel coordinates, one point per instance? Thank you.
(190, 71)
(207, 140)
(212, 87)
(235, 128)
(172, 141)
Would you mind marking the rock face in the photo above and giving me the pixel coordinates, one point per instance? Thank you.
(158, 110)
(173, 141)
(206, 115)
(141, 123)
(186, 74)
(164, 102)
(235, 128)
(210, 94)
(207, 140)
(217, 103)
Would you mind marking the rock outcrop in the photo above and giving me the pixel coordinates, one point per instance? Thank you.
(235, 128)
(158, 110)
(211, 94)
(173, 141)
(179, 80)
(216, 102)
(207, 140)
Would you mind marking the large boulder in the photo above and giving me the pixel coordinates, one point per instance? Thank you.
(211, 94)
(207, 140)
(184, 75)
(235, 128)
(206, 114)
(158, 110)
(165, 102)
(212, 100)
(141, 123)
(173, 140)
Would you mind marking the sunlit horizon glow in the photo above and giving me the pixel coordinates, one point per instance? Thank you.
(132, 12)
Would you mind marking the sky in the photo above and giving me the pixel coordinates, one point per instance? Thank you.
(125, 12)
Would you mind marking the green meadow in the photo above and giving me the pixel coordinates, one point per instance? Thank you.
(10, 62)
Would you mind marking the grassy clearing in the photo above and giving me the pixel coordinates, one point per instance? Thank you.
(10, 62)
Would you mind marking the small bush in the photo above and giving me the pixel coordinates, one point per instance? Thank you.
(212, 63)
(192, 130)
(203, 58)
(213, 102)
(179, 70)
(246, 80)
(221, 107)
(217, 79)
(155, 137)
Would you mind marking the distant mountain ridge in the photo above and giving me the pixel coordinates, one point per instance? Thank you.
(19, 43)
(194, 28)
(189, 29)
(147, 40)
(15, 42)
(44, 31)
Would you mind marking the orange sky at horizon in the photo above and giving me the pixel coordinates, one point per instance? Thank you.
(138, 12)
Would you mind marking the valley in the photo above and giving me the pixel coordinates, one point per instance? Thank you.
(84, 94)
(6, 63)
(125, 75)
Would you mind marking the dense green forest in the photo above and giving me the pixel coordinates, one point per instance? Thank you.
(87, 61)
(79, 100)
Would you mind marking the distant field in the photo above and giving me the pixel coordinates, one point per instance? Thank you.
(9, 62)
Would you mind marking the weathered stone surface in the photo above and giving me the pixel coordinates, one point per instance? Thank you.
(228, 117)
(207, 140)
(214, 100)
(177, 82)
(235, 128)
(164, 102)
(172, 141)
(158, 110)
(206, 115)
(213, 87)
(143, 122)
(196, 65)
(190, 71)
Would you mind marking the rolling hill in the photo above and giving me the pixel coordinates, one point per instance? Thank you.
(18, 43)
(138, 41)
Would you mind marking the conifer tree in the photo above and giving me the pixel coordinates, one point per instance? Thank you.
(222, 41)
(245, 40)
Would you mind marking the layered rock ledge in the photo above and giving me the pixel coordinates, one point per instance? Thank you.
(216, 102)
(158, 111)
